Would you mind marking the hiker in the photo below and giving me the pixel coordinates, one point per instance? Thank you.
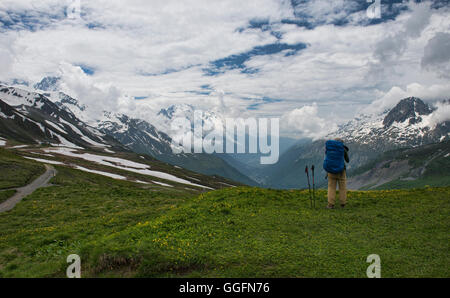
(336, 153)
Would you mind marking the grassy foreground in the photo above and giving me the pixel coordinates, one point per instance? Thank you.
(121, 228)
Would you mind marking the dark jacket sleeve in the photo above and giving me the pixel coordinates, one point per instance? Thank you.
(347, 159)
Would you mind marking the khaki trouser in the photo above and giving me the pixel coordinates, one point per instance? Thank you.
(334, 179)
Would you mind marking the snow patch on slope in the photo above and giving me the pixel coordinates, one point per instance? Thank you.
(162, 184)
(122, 164)
(114, 176)
(55, 126)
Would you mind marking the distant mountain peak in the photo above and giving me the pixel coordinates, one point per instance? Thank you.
(20, 82)
(406, 125)
(32, 117)
(176, 110)
(410, 108)
(48, 84)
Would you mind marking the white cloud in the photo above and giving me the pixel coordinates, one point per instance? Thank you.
(172, 41)
(390, 50)
(98, 96)
(441, 114)
(418, 20)
(304, 122)
(325, 11)
(437, 54)
(389, 99)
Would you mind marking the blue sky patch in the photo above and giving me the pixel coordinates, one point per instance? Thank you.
(95, 25)
(262, 24)
(302, 17)
(199, 92)
(28, 20)
(86, 69)
(238, 61)
(262, 101)
(165, 72)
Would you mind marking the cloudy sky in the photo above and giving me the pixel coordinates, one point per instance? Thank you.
(315, 64)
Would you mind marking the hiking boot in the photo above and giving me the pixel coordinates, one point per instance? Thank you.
(342, 205)
(330, 206)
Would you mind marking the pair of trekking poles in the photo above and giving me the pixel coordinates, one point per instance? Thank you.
(312, 199)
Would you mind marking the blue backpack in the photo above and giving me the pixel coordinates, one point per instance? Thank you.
(334, 159)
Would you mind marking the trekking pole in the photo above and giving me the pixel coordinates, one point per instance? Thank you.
(314, 186)
(309, 185)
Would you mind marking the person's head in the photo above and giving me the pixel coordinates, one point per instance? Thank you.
(339, 140)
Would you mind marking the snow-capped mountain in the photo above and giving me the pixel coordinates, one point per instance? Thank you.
(32, 117)
(410, 123)
(143, 137)
(137, 134)
(247, 163)
(180, 110)
(48, 84)
(61, 119)
(165, 117)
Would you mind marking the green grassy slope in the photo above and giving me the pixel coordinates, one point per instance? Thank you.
(121, 229)
(208, 164)
(429, 165)
(16, 171)
(434, 159)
